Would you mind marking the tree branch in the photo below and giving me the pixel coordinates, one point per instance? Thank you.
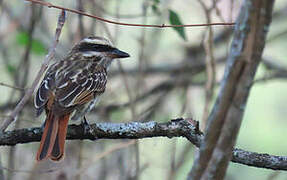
(50, 5)
(186, 128)
(225, 118)
(246, 54)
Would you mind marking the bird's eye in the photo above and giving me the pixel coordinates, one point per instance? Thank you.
(84, 47)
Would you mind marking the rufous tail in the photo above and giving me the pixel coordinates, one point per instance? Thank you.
(52, 143)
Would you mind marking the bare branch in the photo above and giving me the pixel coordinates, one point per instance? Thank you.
(225, 119)
(246, 54)
(50, 5)
(186, 128)
(10, 86)
(209, 61)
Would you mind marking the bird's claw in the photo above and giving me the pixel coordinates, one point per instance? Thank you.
(87, 127)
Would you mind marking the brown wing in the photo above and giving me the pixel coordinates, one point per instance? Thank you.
(45, 89)
(79, 87)
(71, 82)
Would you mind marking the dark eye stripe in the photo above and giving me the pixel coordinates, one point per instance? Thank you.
(84, 47)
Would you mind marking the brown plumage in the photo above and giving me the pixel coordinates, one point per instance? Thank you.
(68, 85)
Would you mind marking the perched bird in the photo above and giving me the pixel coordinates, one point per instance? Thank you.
(69, 85)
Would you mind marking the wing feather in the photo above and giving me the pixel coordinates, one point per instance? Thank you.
(72, 83)
(43, 92)
(82, 84)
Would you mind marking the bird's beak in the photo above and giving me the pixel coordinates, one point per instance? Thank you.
(118, 54)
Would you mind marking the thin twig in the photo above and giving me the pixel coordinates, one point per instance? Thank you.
(30, 171)
(13, 87)
(210, 64)
(50, 5)
(30, 91)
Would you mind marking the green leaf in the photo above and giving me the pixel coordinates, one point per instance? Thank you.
(37, 46)
(156, 1)
(175, 20)
(10, 68)
(22, 38)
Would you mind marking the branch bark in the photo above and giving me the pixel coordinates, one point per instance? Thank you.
(186, 128)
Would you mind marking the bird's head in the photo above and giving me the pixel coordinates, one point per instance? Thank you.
(98, 48)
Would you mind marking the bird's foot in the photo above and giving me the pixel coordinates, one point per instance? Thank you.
(87, 127)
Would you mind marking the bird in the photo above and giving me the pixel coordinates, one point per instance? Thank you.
(68, 86)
